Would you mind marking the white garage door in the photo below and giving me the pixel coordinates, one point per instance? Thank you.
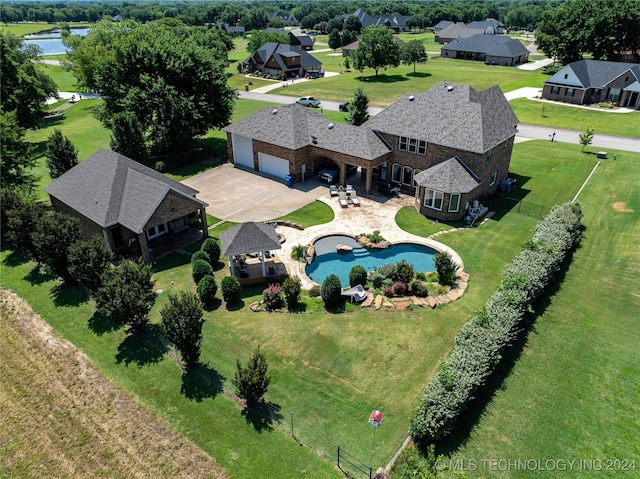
(243, 151)
(273, 165)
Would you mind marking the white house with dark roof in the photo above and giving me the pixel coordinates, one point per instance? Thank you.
(281, 60)
(491, 49)
(128, 203)
(594, 81)
(448, 146)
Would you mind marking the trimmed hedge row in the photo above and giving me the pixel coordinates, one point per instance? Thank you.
(481, 341)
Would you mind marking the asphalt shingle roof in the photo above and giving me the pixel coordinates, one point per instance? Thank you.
(494, 45)
(109, 188)
(295, 126)
(277, 50)
(459, 30)
(450, 176)
(248, 238)
(596, 73)
(451, 115)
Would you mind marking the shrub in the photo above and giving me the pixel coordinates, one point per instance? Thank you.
(432, 277)
(272, 296)
(182, 321)
(331, 290)
(420, 276)
(315, 291)
(291, 289)
(399, 288)
(55, 235)
(446, 268)
(387, 291)
(387, 270)
(199, 269)
(212, 248)
(375, 237)
(230, 289)
(200, 255)
(357, 275)
(207, 289)
(253, 381)
(88, 260)
(481, 342)
(419, 288)
(376, 280)
(403, 272)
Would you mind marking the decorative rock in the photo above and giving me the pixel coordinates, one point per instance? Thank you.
(367, 302)
(388, 304)
(432, 301)
(402, 304)
(343, 248)
(378, 301)
(383, 245)
(255, 306)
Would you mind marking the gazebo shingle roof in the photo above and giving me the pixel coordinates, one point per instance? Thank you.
(248, 238)
(450, 176)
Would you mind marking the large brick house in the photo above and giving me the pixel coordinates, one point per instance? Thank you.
(491, 49)
(447, 146)
(128, 204)
(281, 60)
(594, 81)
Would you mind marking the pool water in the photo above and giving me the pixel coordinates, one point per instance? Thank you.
(328, 261)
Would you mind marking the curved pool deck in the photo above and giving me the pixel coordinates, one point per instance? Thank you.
(353, 220)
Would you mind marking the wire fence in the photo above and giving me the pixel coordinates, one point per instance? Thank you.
(513, 205)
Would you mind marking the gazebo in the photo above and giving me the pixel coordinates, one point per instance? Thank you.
(249, 238)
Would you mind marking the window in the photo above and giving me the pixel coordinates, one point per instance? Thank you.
(433, 199)
(597, 92)
(566, 75)
(494, 175)
(614, 94)
(555, 90)
(488, 160)
(454, 202)
(413, 145)
(570, 91)
(156, 231)
(407, 176)
(396, 173)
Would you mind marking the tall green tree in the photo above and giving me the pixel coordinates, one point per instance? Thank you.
(260, 37)
(56, 233)
(252, 381)
(358, 108)
(172, 79)
(414, 52)
(88, 260)
(182, 321)
(127, 137)
(586, 138)
(335, 40)
(23, 222)
(23, 89)
(126, 295)
(61, 154)
(377, 49)
(16, 158)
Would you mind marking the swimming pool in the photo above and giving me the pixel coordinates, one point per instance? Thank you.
(328, 261)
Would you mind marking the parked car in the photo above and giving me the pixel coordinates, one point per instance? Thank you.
(311, 74)
(344, 106)
(328, 176)
(308, 101)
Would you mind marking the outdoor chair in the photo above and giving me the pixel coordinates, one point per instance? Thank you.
(354, 198)
(343, 199)
(333, 189)
(350, 189)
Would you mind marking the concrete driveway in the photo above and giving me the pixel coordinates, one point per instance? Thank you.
(238, 195)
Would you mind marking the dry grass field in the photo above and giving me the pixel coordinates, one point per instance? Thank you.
(62, 418)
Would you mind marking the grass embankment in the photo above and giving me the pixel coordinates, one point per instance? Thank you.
(63, 418)
(64, 78)
(574, 391)
(531, 112)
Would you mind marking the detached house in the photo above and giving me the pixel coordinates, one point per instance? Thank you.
(288, 19)
(447, 146)
(280, 60)
(397, 23)
(594, 81)
(134, 208)
(491, 49)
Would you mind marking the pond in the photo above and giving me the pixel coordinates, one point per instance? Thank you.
(50, 42)
(329, 261)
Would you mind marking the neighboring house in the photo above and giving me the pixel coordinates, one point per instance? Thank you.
(442, 24)
(232, 31)
(289, 19)
(455, 31)
(491, 49)
(491, 26)
(127, 203)
(397, 23)
(594, 81)
(448, 146)
(280, 60)
(353, 46)
(297, 39)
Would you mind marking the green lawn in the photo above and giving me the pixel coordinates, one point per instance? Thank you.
(21, 29)
(533, 112)
(64, 78)
(574, 390)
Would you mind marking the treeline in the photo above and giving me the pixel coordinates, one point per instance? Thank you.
(515, 14)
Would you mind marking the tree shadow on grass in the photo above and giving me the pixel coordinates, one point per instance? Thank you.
(262, 416)
(235, 305)
(419, 74)
(39, 275)
(16, 257)
(213, 306)
(496, 382)
(201, 382)
(142, 347)
(65, 294)
(381, 78)
(100, 324)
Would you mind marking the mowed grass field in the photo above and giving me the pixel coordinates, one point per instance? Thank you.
(573, 393)
(63, 418)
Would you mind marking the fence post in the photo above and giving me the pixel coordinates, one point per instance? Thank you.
(292, 434)
(338, 457)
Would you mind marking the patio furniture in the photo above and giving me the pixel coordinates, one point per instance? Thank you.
(343, 199)
(354, 198)
(333, 189)
(357, 294)
(350, 189)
